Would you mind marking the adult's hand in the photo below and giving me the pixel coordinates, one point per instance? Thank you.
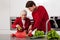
(30, 33)
(30, 27)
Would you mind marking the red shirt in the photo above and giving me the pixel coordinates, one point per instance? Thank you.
(40, 16)
(19, 21)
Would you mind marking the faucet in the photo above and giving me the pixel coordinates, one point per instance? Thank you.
(55, 23)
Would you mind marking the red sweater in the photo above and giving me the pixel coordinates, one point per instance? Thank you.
(19, 21)
(40, 16)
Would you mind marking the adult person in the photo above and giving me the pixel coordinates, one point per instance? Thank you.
(40, 16)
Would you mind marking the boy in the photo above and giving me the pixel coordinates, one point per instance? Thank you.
(21, 23)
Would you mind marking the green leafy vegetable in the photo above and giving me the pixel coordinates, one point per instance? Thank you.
(39, 33)
(52, 35)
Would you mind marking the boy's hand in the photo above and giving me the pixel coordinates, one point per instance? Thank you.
(18, 27)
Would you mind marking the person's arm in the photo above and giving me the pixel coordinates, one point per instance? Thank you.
(14, 25)
(30, 27)
(38, 21)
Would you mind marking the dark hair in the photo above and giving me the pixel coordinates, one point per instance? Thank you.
(30, 4)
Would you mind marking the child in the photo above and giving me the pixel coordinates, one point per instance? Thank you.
(22, 23)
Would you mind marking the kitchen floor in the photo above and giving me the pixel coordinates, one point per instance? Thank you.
(8, 37)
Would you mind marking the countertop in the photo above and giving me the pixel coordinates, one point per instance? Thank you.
(8, 37)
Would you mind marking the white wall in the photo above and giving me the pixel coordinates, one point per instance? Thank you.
(52, 6)
(13, 7)
(4, 15)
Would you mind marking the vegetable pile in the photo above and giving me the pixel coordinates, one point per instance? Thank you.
(39, 33)
(52, 35)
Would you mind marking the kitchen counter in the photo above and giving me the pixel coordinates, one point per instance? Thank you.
(8, 37)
